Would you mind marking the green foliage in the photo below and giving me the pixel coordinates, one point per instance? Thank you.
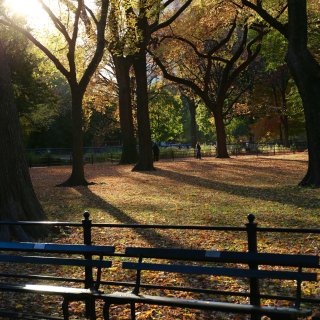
(205, 123)
(273, 50)
(238, 129)
(165, 116)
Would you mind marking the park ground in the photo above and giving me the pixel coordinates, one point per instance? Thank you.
(190, 192)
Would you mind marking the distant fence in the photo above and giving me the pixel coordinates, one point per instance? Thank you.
(63, 156)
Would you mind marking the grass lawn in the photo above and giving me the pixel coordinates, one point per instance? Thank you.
(206, 192)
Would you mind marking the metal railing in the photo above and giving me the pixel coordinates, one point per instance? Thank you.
(63, 156)
(251, 230)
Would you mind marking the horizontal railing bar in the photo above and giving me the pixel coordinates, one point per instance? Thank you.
(288, 230)
(50, 223)
(161, 226)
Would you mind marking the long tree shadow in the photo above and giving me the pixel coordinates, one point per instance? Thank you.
(152, 237)
(248, 165)
(284, 195)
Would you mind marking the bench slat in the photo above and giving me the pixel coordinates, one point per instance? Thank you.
(225, 256)
(57, 248)
(219, 271)
(45, 289)
(55, 261)
(119, 297)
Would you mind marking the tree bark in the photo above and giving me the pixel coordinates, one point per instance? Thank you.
(77, 177)
(306, 73)
(193, 123)
(18, 200)
(145, 162)
(129, 145)
(222, 151)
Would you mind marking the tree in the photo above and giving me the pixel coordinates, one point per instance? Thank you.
(119, 45)
(18, 200)
(305, 71)
(146, 17)
(215, 65)
(77, 82)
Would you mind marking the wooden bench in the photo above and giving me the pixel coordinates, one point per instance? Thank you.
(214, 264)
(42, 254)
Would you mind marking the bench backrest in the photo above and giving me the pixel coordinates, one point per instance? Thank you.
(81, 256)
(306, 261)
(56, 248)
(182, 261)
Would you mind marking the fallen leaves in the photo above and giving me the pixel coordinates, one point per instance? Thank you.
(210, 192)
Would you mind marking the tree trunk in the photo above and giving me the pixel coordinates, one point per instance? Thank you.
(221, 134)
(145, 162)
(284, 130)
(306, 73)
(18, 200)
(193, 124)
(77, 176)
(129, 149)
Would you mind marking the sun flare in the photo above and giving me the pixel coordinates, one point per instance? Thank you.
(30, 9)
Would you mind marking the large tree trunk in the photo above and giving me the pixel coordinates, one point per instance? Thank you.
(18, 200)
(193, 124)
(222, 151)
(145, 162)
(77, 176)
(306, 73)
(129, 146)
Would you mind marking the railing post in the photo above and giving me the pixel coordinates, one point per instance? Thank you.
(253, 248)
(86, 225)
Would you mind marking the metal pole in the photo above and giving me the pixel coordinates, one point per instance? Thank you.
(253, 247)
(86, 225)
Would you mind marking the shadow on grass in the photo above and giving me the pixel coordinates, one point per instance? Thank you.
(283, 195)
(150, 235)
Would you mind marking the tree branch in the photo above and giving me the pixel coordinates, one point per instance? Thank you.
(267, 17)
(100, 45)
(58, 24)
(166, 23)
(177, 79)
(44, 49)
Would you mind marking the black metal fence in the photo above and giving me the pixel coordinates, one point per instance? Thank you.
(254, 234)
(63, 156)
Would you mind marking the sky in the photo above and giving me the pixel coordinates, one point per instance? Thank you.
(33, 12)
(31, 9)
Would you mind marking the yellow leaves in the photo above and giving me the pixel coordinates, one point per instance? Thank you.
(210, 192)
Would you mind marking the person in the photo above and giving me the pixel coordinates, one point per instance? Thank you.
(156, 151)
(198, 150)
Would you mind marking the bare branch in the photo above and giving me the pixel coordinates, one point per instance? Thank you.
(58, 24)
(166, 23)
(45, 50)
